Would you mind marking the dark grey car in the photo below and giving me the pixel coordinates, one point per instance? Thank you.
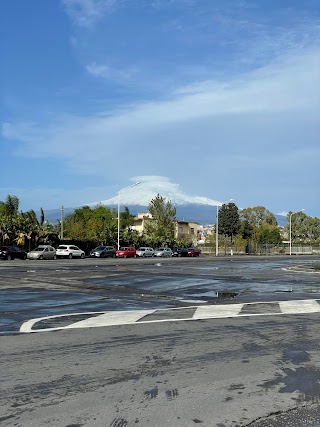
(103, 252)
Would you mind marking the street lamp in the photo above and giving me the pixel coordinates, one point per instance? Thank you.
(217, 226)
(61, 222)
(290, 231)
(129, 186)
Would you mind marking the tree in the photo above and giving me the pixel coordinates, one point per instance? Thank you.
(246, 229)
(126, 219)
(97, 225)
(269, 234)
(303, 227)
(229, 220)
(160, 227)
(257, 216)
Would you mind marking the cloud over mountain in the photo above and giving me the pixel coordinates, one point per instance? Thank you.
(147, 189)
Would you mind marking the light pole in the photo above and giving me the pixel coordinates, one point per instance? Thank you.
(217, 227)
(217, 231)
(61, 223)
(129, 186)
(290, 230)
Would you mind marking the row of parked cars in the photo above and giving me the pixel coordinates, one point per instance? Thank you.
(72, 251)
(41, 252)
(144, 251)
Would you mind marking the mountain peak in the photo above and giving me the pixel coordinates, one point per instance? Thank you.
(146, 188)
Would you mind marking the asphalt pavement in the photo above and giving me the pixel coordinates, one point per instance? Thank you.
(216, 342)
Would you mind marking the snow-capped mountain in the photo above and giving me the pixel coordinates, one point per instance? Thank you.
(144, 189)
(139, 194)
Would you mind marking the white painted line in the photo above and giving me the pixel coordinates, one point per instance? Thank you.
(27, 326)
(302, 306)
(217, 311)
(111, 318)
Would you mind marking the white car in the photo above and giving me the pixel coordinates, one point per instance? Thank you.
(145, 251)
(42, 252)
(69, 251)
(163, 252)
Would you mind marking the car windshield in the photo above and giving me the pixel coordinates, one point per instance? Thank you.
(62, 247)
(99, 248)
(124, 249)
(38, 250)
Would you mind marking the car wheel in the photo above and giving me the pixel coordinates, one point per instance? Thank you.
(54, 256)
(70, 256)
(41, 257)
(9, 257)
(82, 256)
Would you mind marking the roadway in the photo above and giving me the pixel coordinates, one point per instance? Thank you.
(258, 365)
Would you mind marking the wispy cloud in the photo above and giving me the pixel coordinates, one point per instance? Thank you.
(85, 13)
(284, 89)
(106, 72)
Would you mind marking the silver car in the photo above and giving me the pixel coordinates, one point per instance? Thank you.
(163, 252)
(145, 251)
(42, 252)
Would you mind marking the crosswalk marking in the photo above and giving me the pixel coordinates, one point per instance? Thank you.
(216, 311)
(304, 306)
(113, 318)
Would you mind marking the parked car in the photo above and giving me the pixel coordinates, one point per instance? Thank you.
(103, 252)
(194, 252)
(145, 251)
(69, 251)
(126, 252)
(12, 252)
(179, 252)
(42, 252)
(163, 252)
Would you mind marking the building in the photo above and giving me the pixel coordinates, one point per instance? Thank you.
(183, 229)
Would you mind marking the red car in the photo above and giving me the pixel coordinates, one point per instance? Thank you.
(126, 252)
(194, 252)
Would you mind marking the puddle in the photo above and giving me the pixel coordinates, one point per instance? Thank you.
(211, 294)
(193, 301)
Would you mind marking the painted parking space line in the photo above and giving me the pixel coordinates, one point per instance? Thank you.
(114, 318)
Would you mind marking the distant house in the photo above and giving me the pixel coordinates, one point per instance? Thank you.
(183, 229)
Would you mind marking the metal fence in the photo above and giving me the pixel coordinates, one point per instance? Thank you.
(262, 249)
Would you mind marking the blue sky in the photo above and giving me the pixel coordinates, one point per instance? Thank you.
(220, 97)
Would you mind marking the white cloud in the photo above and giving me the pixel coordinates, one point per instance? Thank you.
(145, 188)
(85, 13)
(237, 131)
(290, 86)
(104, 71)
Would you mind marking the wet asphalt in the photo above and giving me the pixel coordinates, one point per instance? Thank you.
(222, 373)
(30, 289)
